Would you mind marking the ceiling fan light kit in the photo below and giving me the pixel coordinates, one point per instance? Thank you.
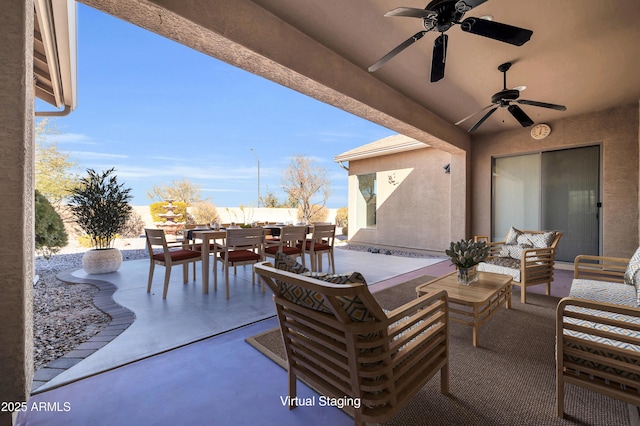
(440, 15)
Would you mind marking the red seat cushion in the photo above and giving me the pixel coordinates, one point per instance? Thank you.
(286, 250)
(241, 256)
(178, 255)
(316, 247)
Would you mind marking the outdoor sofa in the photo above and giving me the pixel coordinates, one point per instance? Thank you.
(598, 330)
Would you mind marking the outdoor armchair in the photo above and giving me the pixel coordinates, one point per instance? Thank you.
(527, 256)
(340, 342)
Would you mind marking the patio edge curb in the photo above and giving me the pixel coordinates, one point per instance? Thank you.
(121, 319)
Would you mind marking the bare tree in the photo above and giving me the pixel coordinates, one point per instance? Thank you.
(307, 185)
(177, 190)
(53, 176)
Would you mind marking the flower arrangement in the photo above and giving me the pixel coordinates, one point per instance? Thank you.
(465, 254)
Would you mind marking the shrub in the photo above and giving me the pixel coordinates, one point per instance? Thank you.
(134, 226)
(342, 217)
(204, 212)
(49, 229)
(319, 215)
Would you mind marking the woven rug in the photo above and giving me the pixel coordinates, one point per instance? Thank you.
(508, 380)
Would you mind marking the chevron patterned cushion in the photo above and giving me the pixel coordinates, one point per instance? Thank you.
(289, 264)
(602, 291)
(632, 268)
(350, 278)
(311, 299)
(616, 293)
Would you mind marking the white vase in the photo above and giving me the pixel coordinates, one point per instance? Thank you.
(101, 261)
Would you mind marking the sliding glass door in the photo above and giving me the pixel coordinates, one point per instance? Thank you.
(556, 190)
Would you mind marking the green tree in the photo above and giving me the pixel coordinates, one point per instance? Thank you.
(49, 229)
(306, 185)
(182, 190)
(53, 176)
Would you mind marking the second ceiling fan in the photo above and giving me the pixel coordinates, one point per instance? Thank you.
(440, 15)
(507, 98)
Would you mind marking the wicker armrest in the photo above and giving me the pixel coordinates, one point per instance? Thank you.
(601, 268)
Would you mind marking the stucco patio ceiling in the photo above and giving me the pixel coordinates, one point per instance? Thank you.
(583, 54)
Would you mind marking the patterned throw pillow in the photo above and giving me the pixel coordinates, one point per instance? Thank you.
(350, 278)
(289, 264)
(512, 236)
(311, 299)
(514, 251)
(632, 267)
(542, 240)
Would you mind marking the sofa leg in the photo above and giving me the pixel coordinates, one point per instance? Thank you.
(523, 294)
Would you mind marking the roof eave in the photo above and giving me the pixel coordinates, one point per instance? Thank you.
(57, 22)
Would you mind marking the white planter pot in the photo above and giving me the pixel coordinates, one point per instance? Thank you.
(101, 261)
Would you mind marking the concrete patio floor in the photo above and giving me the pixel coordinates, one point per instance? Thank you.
(187, 315)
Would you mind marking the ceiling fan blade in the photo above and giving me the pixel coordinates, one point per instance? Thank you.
(542, 104)
(410, 12)
(439, 57)
(520, 115)
(475, 113)
(496, 30)
(483, 119)
(417, 36)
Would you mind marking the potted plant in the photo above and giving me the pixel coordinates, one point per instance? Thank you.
(101, 208)
(466, 255)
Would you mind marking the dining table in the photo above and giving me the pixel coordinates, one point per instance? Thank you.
(209, 238)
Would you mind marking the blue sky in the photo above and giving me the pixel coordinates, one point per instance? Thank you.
(158, 111)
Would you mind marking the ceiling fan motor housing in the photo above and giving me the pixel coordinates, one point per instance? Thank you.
(505, 95)
(446, 13)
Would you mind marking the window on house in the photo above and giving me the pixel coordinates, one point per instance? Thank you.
(366, 204)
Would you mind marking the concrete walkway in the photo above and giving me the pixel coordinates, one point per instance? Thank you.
(152, 325)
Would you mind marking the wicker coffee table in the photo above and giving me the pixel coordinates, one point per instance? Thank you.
(472, 304)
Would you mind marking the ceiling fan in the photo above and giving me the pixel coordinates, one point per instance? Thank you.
(440, 15)
(504, 99)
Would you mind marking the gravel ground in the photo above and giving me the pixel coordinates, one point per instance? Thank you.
(63, 314)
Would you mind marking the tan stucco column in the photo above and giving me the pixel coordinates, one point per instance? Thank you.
(16, 202)
(460, 196)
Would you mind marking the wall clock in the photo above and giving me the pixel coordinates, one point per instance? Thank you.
(540, 131)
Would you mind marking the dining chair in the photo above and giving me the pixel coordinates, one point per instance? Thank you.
(288, 243)
(169, 257)
(243, 246)
(321, 241)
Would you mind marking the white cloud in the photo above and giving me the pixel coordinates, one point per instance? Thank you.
(92, 155)
(77, 138)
